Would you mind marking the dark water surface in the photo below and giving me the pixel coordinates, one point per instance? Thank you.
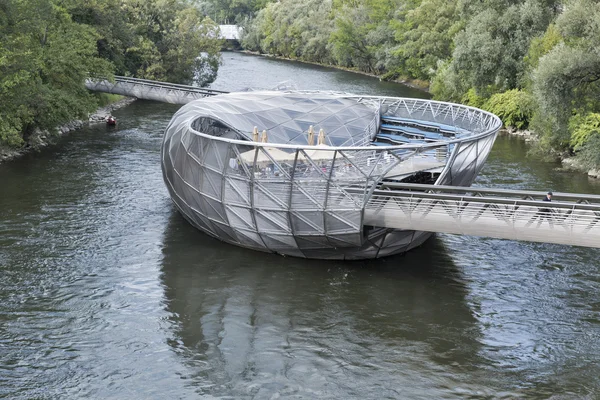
(107, 293)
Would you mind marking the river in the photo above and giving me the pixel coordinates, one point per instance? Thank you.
(107, 293)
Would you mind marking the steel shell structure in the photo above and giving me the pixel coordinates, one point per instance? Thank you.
(275, 190)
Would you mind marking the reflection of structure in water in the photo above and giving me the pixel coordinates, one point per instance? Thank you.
(256, 324)
(287, 195)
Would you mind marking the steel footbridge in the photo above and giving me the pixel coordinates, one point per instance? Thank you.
(571, 219)
(150, 90)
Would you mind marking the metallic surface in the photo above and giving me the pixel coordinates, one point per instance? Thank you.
(107, 293)
(150, 90)
(569, 219)
(296, 199)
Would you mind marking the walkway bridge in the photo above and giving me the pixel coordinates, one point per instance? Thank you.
(150, 90)
(230, 32)
(572, 219)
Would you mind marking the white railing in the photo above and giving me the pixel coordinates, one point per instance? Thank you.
(573, 219)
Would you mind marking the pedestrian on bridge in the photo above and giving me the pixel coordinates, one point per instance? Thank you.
(543, 213)
(548, 197)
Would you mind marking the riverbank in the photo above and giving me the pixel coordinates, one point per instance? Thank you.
(40, 139)
(570, 164)
(530, 137)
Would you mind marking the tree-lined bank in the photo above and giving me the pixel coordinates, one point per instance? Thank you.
(49, 47)
(534, 63)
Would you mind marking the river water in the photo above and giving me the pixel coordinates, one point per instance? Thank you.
(107, 293)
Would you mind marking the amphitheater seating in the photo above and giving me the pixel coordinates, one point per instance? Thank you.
(441, 128)
(398, 130)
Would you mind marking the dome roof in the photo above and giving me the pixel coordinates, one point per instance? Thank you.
(287, 115)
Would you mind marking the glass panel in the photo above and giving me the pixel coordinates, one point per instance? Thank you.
(276, 222)
(211, 183)
(342, 221)
(279, 242)
(347, 240)
(250, 239)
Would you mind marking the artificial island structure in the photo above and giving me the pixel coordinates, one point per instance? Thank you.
(301, 173)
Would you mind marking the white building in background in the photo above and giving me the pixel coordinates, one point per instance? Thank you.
(230, 32)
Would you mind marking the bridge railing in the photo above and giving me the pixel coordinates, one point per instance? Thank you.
(510, 194)
(150, 90)
(507, 214)
(166, 85)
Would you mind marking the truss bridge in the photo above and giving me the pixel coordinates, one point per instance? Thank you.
(150, 90)
(572, 219)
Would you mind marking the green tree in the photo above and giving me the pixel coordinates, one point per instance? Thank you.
(425, 37)
(292, 29)
(231, 11)
(362, 37)
(514, 107)
(155, 39)
(489, 53)
(45, 58)
(566, 81)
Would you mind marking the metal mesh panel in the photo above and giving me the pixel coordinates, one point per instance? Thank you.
(276, 192)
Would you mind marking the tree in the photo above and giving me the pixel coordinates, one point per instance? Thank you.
(292, 29)
(362, 37)
(566, 81)
(489, 53)
(425, 36)
(49, 47)
(45, 58)
(231, 11)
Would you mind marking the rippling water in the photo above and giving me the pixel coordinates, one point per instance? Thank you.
(108, 293)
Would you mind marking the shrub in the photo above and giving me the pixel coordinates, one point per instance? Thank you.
(589, 154)
(582, 127)
(471, 98)
(10, 132)
(514, 107)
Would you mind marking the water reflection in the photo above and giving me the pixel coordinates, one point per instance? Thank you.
(247, 323)
(108, 293)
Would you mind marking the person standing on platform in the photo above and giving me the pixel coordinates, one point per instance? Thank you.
(546, 212)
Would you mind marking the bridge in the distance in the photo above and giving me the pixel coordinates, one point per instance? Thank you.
(230, 32)
(572, 219)
(150, 90)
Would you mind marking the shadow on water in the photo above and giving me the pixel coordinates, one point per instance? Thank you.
(248, 323)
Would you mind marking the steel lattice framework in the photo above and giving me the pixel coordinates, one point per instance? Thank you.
(346, 200)
(150, 90)
(572, 219)
(290, 197)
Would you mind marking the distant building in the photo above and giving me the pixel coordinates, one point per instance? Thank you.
(230, 32)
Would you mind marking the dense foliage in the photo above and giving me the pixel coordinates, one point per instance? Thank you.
(49, 47)
(536, 63)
